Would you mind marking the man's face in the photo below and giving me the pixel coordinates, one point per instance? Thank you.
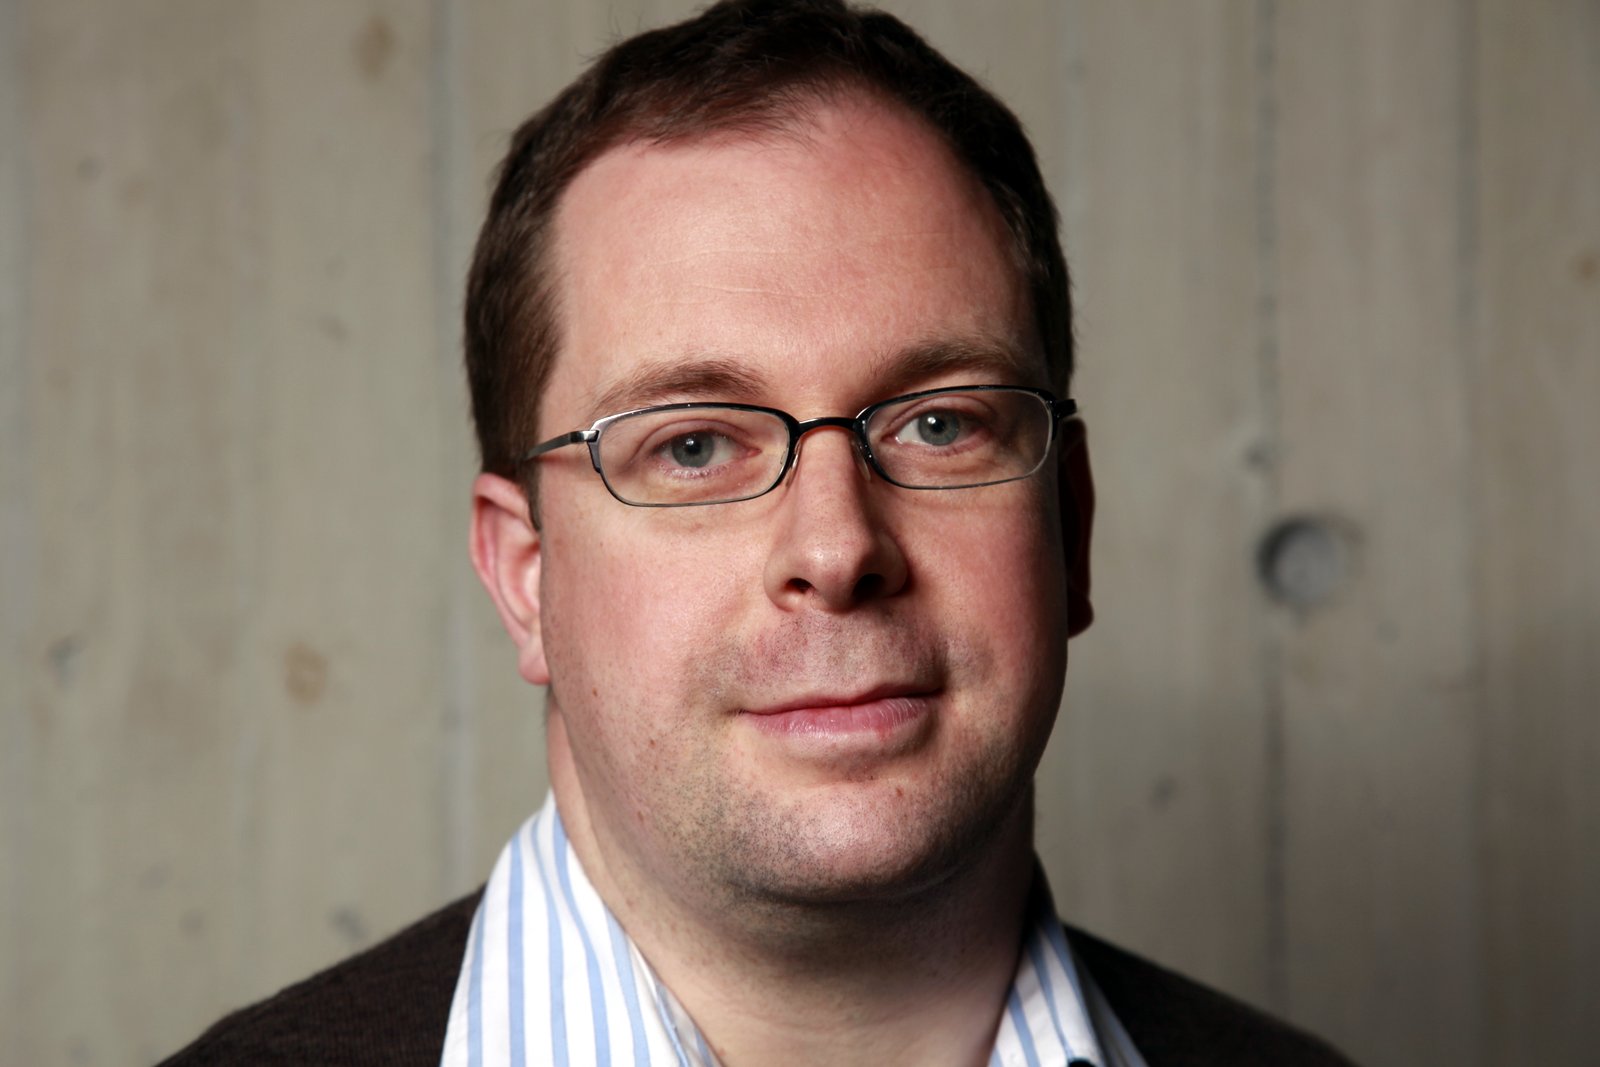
(839, 690)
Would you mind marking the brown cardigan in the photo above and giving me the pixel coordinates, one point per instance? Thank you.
(390, 1004)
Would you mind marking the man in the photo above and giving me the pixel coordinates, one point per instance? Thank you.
(768, 340)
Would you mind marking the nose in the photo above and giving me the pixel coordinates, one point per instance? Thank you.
(833, 550)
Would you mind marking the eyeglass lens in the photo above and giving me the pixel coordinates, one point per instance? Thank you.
(714, 454)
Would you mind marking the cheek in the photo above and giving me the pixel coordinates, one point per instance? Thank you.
(1010, 603)
(1004, 561)
(626, 615)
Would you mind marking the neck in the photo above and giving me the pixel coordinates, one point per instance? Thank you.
(919, 978)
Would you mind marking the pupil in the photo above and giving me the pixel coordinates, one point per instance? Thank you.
(939, 428)
(691, 450)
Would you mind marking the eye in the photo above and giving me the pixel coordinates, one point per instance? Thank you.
(698, 446)
(934, 427)
(939, 428)
(697, 449)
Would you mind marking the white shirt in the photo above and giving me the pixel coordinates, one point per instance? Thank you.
(550, 978)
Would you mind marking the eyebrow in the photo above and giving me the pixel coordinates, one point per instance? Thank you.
(657, 380)
(997, 360)
(719, 378)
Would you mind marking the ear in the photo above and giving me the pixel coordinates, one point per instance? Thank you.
(1077, 521)
(506, 554)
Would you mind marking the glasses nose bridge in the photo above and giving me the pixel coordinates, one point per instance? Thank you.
(856, 428)
(804, 426)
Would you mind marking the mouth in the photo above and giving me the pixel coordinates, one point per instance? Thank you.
(882, 712)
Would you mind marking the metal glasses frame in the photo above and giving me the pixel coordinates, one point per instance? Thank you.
(1059, 410)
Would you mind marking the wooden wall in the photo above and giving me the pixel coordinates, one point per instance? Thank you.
(1333, 743)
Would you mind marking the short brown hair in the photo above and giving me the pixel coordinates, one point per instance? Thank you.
(740, 65)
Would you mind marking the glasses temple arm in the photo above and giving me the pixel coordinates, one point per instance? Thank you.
(576, 437)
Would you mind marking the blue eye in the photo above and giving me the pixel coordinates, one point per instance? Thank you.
(693, 449)
(934, 428)
(701, 451)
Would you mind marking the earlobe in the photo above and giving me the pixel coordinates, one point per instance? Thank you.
(506, 553)
(1077, 521)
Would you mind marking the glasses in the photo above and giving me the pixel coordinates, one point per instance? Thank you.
(680, 455)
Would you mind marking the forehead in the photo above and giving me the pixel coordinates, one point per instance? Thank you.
(814, 264)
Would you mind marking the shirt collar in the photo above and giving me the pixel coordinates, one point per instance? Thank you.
(550, 978)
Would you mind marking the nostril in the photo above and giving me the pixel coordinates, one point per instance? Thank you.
(868, 586)
(865, 588)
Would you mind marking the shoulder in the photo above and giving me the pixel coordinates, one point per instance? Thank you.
(388, 1005)
(1179, 1022)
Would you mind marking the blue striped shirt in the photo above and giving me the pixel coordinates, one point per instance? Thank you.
(550, 978)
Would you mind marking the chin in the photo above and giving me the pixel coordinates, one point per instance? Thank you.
(859, 845)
